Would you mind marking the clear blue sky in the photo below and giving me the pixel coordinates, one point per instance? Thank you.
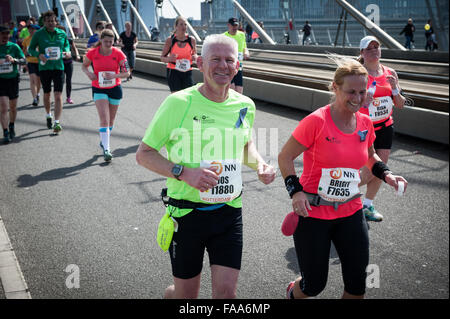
(188, 8)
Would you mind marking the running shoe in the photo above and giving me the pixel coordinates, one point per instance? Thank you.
(49, 123)
(57, 128)
(69, 100)
(289, 289)
(107, 155)
(6, 139)
(35, 101)
(12, 132)
(371, 214)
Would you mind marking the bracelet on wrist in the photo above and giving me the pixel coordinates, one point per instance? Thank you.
(292, 185)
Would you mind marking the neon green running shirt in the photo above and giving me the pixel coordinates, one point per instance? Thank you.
(197, 132)
(242, 45)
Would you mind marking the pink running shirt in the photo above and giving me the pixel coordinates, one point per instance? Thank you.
(101, 63)
(328, 147)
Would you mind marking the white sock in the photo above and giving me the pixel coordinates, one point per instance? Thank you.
(104, 136)
(367, 202)
(49, 115)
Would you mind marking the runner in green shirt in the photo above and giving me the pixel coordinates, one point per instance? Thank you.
(233, 24)
(10, 56)
(206, 130)
(53, 47)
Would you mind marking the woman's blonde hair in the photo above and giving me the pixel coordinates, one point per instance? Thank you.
(346, 67)
(105, 33)
(177, 20)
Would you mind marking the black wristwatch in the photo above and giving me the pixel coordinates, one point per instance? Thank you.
(177, 170)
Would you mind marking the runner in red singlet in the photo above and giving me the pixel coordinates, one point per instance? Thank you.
(380, 108)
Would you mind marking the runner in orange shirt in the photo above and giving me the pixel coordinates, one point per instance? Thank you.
(179, 52)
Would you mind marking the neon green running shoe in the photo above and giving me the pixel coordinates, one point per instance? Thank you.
(371, 214)
(107, 155)
(57, 128)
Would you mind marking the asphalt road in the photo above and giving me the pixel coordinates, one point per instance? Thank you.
(67, 212)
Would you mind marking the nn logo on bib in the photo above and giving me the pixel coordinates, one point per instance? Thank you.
(337, 174)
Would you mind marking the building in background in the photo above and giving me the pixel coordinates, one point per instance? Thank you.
(324, 16)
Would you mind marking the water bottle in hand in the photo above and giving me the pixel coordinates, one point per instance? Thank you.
(370, 93)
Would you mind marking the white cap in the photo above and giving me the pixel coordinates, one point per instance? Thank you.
(366, 41)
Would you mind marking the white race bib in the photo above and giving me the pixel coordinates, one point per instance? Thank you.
(183, 65)
(338, 184)
(102, 82)
(380, 108)
(53, 53)
(5, 67)
(229, 185)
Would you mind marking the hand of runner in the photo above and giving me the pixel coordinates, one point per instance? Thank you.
(173, 58)
(108, 76)
(393, 180)
(393, 81)
(266, 173)
(200, 178)
(43, 58)
(300, 204)
(9, 58)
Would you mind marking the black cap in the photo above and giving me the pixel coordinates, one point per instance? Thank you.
(3, 29)
(233, 21)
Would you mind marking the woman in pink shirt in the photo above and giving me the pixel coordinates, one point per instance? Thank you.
(109, 66)
(336, 141)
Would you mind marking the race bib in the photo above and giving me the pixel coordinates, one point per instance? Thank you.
(380, 108)
(102, 82)
(229, 185)
(338, 184)
(5, 67)
(183, 65)
(53, 53)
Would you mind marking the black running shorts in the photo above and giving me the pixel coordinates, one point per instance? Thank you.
(9, 87)
(312, 240)
(178, 80)
(384, 138)
(49, 76)
(219, 231)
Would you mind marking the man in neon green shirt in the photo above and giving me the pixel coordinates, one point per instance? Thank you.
(233, 24)
(53, 47)
(206, 130)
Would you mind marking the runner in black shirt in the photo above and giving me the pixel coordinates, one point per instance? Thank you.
(128, 42)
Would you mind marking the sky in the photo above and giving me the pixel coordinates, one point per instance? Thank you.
(188, 8)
